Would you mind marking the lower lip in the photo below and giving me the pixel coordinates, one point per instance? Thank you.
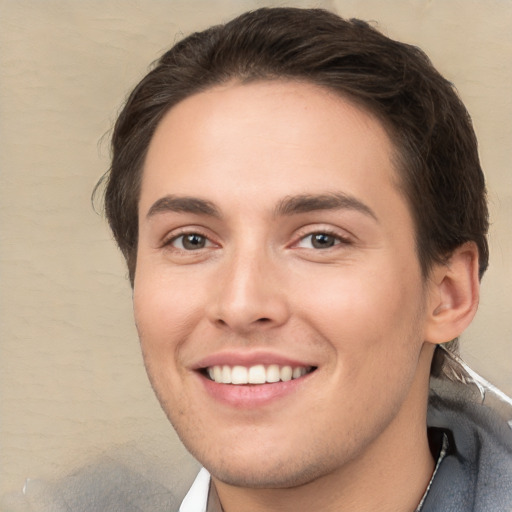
(248, 396)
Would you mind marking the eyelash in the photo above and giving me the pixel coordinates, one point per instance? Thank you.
(182, 235)
(338, 240)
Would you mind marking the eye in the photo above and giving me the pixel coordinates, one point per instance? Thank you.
(320, 241)
(190, 242)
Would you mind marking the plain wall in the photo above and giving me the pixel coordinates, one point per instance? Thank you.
(72, 384)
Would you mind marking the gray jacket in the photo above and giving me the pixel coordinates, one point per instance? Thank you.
(476, 474)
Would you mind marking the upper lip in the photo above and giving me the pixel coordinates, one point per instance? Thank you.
(249, 359)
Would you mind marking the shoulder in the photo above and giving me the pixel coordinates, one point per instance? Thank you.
(476, 474)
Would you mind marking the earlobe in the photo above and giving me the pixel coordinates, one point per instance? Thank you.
(453, 295)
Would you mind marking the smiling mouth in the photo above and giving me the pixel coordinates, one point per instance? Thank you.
(257, 374)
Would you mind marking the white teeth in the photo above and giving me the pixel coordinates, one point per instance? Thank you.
(297, 372)
(286, 373)
(273, 373)
(258, 374)
(239, 375)
(225, 375)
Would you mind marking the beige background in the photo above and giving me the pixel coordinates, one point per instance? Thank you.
(71, 380)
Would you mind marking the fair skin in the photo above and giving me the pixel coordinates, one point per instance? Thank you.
(273, 233)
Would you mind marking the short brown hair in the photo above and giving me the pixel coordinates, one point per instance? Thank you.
(436, 147)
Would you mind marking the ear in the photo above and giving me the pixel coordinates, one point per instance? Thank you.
(454, 289)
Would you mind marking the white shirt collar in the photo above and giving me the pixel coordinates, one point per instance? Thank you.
(196, 499)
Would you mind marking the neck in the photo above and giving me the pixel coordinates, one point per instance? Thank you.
(391, 475)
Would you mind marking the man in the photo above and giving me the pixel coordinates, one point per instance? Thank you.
(301, 207)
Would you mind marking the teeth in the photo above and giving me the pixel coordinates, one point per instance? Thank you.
(239, 374)
(224, 375)
(258, 374)
(286, 373)
(273, 373)
(298, 372)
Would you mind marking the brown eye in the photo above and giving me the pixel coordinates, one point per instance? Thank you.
(190, 242)
(323, 240)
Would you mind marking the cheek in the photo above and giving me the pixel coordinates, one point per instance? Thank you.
(371, 325)
(165, 313)
(365, 312)
(164, 318)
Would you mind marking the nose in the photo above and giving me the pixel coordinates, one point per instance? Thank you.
(249, 295)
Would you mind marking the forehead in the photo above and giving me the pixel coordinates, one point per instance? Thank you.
(270, 136)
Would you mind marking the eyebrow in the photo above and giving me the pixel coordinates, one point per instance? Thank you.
(292, 205)
(183, 204)
(305, 203)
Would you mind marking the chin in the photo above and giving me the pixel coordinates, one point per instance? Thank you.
(271, 469)
(265, 477)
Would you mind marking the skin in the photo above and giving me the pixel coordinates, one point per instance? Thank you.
(352, 434)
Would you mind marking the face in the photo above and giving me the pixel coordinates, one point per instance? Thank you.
(278, 295)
